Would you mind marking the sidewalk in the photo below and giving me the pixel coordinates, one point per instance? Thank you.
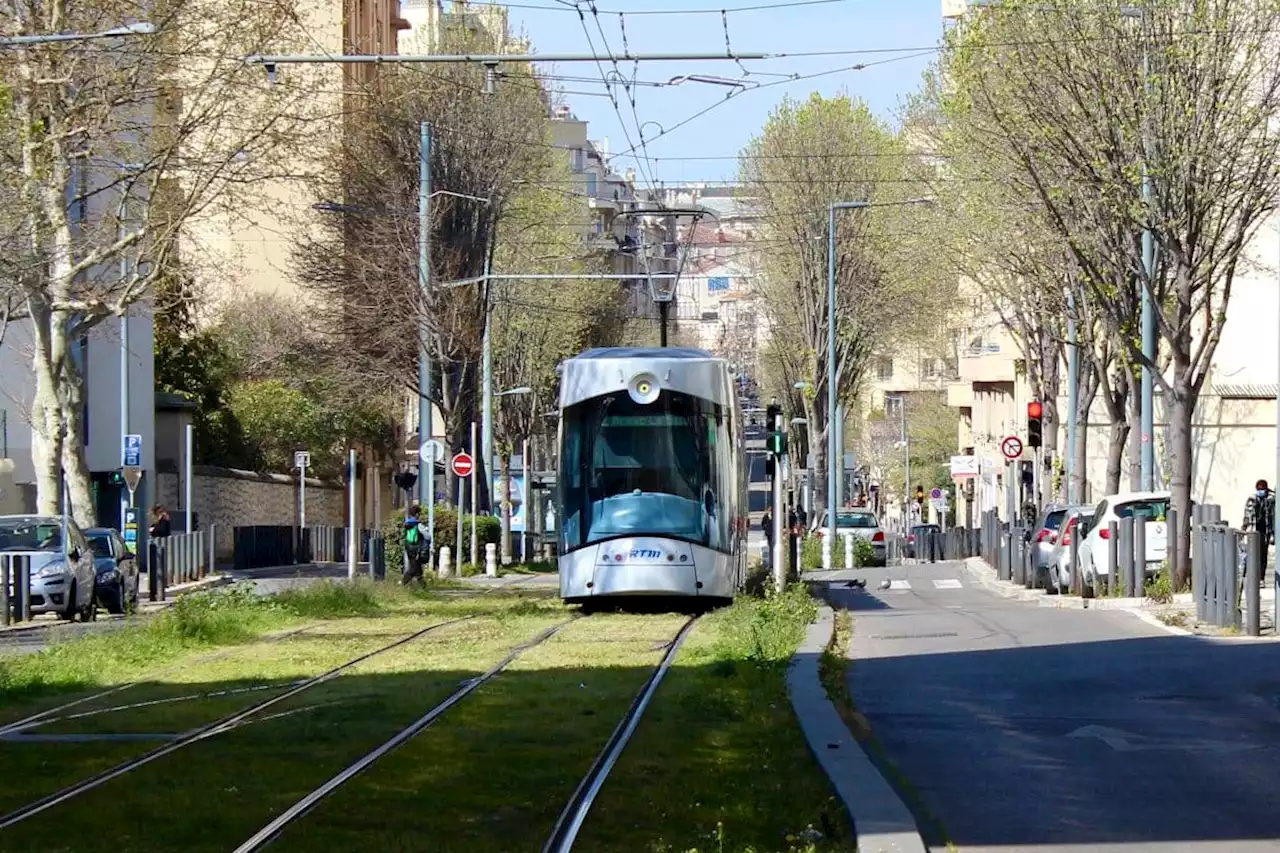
(881, 820)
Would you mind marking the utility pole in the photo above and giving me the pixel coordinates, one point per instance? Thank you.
(486, 412)
(427, 473)
(1073, 395)
(779, 511)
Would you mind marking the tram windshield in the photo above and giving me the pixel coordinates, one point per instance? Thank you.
(663, 469)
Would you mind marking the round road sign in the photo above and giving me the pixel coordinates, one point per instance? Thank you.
(463, 464)
(935, 493)
(431, 451)
(1011, 447)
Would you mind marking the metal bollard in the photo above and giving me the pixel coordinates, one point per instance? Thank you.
(1073, 567)
(445, 566)
(848, 550)
(1124, 548)
(491, 559)
(1139, 588)
(22, 588)
(1173, 555)
(5, 575)
(1198, 568)
(1253, 584)
(1113, 557)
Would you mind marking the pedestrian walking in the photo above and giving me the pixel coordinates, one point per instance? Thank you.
(767, 523)
(417, 544)
(161, 525)
(1260, 515)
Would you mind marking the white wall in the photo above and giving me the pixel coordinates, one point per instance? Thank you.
(17, 389)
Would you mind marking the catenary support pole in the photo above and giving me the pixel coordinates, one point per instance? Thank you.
(475, 541)
(353, 534)
(829, 541)
(1073, 391)
(486, 411)
(524, 503)
(427, 467)
(188, 478)
(779, 511)
(1148, 323)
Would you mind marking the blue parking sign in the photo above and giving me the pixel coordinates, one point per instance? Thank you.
(132, 451)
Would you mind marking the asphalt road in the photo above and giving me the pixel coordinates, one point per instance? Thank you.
(1028, 728)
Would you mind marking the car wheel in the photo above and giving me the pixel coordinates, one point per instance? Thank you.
(89, 613)
(69, 615)
(1052, 586)
(117, 598)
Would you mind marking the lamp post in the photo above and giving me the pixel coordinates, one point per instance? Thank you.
(834, 453)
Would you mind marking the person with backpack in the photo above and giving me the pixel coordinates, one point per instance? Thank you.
(1260, 515)
(417, 544)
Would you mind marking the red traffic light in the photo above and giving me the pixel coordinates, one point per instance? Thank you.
(1034, 410)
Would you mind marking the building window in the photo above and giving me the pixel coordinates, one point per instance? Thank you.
(893, 408)
(930, 368)
(884, 368)
(591, 184)
(576, 157)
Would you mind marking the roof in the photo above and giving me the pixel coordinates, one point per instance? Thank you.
(604, 353)
(1126, 497)
(1244, 391)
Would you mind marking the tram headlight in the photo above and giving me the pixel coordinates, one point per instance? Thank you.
(643, 388)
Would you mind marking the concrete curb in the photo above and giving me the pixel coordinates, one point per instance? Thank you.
(144, 605)
(882, 822)
(985, 575)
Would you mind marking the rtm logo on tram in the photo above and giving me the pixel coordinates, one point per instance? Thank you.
(645, 554)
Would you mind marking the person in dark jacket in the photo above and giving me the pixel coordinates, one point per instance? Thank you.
(417, 544)
(160, 522)
(1260, 515)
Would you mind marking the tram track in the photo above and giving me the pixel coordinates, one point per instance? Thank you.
(572, 817)
(223, 724)
(50, 715)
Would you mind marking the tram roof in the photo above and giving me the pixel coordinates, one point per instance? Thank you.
(605, 370)
(683, 353)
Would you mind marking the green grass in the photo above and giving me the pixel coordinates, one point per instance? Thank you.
(719, 762)
(214, 794)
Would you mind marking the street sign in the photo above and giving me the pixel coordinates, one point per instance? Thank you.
(940, 504)
(132, 476)
(301, 459)
(431, 451)
(463, 464)
(131, 451)
(935, 493)
(1011, 447)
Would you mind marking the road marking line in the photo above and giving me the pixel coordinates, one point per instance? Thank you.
(899, 584)
(948, 583)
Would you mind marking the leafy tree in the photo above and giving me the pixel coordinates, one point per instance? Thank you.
(807, 156)
(1080, 100)
(115, 146)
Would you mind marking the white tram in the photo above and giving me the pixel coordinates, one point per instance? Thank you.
(652, 487)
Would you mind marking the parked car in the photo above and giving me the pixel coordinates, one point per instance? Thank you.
(916, 535)
(861, 523)
(1044, 538)
(1079, 519)
(63, 576)
(1151, 508)
(117, 570)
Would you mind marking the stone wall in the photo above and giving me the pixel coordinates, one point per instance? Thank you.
(230, 498)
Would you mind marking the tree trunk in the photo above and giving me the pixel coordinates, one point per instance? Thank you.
(49, 431)
(79, 487)
(504, 460)
(1115, 395)
(1085, 395)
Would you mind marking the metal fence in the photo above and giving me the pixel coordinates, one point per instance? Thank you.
(268, 546)
(177, 559)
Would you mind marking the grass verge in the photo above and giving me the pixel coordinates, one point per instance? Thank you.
(719, 762)
(833, 670)
(215, 793)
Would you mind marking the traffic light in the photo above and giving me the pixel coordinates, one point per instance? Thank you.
(1035, 412)
(777, 440)
(117, 477)
(920, 494)
(405, 479)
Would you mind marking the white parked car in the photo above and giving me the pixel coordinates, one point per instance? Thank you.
(1151, 508)
(857, 523)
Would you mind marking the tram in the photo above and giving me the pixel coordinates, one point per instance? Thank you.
(652, 489)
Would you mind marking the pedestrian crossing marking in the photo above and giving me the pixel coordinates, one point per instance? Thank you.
(948, 583)
(899, 584)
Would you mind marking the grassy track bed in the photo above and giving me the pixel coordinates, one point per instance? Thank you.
(212, 795)
(494, 773)
(719, 762)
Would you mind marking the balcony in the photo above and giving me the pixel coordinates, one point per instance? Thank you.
(960, 394)
(988, 363)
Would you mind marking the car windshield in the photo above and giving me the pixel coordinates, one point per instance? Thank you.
(861, 520)
(1155, 509)
(100, 543)
(1053, 520)
(30, 535)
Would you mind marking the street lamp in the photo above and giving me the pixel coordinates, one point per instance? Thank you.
(834, 414)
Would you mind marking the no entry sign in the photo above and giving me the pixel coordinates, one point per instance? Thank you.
(463, 464)
(1011, 447)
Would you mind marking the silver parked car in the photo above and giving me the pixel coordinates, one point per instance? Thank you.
(1078, 521)
(63, 575)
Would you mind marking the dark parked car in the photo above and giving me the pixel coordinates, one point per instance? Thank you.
(117, 570)
(916, 539)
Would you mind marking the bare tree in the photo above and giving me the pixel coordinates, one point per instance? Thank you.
(1081, 100)
(125, 142)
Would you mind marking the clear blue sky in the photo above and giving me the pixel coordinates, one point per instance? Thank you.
(832, 25)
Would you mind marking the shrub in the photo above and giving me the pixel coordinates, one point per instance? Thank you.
(488, 529)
